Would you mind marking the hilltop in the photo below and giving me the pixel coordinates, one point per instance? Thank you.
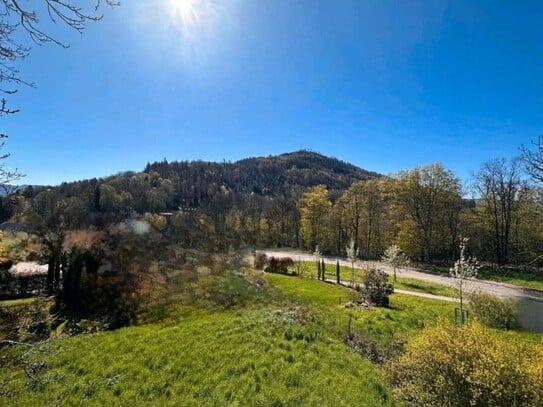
(271, 175)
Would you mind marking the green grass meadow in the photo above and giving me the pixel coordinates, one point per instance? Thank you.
(286, 351)
(346, 273)
(406, 313)
(529, 280)
(254, 357)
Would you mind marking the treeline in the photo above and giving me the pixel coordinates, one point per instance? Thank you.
(305, 200)
(425, 211)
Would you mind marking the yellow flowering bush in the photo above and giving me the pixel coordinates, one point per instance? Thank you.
(451, 366)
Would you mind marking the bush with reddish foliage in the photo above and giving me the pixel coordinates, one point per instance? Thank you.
(279, 265)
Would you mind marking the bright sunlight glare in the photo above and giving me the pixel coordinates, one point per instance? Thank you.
(191, 32)
(191, 15)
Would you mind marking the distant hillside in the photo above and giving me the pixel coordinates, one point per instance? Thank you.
(213, 205)
(272, 175)
(307, 169)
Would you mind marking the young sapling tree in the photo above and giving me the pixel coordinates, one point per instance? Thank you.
(395, 258)
(352, 254)
(317, 254)
(465, 269)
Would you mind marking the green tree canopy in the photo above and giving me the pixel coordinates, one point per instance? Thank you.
(314, 209)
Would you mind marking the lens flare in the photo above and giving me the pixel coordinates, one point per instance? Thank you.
(193, 16)
(187, 12)
(193, 32)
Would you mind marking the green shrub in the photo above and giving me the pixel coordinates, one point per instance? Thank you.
(469, 365)
(493, 311)
(376, 287)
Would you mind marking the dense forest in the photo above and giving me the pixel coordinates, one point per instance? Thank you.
(207, 205)
(426, 210)
(304, 199)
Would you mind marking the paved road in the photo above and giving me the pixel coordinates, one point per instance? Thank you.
(491, 287)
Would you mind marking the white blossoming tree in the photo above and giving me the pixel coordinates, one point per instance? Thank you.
(465, 269)
(395, 258)
(317, 254)
(352, 254)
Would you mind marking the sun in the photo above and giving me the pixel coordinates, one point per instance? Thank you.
(184, 7)
(195, 27)
(184, 4)
(187, 12)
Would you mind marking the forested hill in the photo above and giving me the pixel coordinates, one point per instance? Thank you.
(301, 199)
(272, 175)
(229, 203)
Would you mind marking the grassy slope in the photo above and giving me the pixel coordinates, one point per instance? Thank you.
(288, 352)
(412, 284)
(220, 358)
(406, 313)
(280, 354)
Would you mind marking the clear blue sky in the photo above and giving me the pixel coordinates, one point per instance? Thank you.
(386, 85)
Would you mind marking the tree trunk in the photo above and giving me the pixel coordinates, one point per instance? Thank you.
(50, 275)
(57, 274)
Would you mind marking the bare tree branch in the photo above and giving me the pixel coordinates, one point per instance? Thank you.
(533, 159)
(17, 18)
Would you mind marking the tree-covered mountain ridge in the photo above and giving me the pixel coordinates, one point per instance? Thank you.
(246, 196)
(270, 175)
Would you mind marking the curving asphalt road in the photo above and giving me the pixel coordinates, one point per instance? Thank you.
(491, 287)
